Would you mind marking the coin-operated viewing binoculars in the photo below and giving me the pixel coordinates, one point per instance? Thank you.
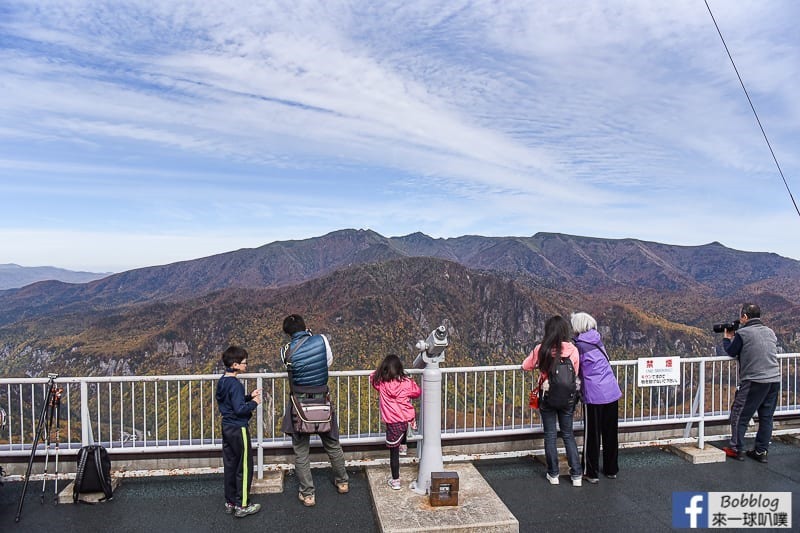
(431, 350)
(431, 353)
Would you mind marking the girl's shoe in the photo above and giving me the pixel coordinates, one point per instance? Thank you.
(552, 479)
(577, 482)
(404, 449)
(394, 484)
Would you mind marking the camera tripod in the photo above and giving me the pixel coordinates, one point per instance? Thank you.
(51, 405)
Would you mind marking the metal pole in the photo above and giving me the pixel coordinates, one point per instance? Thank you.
(431, 457)
(86, 424)
(260, 428)
(701, 426)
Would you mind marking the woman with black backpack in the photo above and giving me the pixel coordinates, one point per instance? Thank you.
(558, 363)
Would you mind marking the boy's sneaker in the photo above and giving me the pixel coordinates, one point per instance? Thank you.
(229, 507)
(577, 482)
(552, 479)
(733, 454)
(592, 480)
(253, 508)
(308, 501)
(394, 483)
(761, 457)
(403, 449)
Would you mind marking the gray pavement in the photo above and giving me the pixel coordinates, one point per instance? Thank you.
(639, 500)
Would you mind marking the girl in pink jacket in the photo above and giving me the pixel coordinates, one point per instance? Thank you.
(396, 389)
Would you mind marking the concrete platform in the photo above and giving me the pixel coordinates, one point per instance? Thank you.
(479, 508)
(793, 438)
(65, 496)
(696, 456)
(563, 464)
(271, 483)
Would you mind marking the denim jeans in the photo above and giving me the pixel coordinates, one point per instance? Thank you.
(302, 464)
(564, 418)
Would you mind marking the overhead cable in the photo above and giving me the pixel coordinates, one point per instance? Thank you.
(785, 183)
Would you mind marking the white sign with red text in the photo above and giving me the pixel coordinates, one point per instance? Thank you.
(659, 371)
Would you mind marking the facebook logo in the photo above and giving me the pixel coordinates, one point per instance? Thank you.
(690, 510)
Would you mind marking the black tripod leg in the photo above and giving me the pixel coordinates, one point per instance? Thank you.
(48, 432)
(58, 441)
(39, 429)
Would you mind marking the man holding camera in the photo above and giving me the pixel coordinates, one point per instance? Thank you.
(755, 346)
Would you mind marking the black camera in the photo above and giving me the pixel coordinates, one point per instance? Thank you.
(732, 326)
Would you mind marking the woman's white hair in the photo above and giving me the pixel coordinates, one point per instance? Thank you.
(582, 322)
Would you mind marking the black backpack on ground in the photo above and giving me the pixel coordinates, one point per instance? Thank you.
(563, 390)
(94, 472)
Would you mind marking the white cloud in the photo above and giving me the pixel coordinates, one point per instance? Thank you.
(167, 117)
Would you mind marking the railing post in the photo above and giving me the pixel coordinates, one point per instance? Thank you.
(702, 408)
(260, 430)
(86, 428)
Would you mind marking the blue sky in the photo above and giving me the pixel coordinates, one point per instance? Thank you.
(143, 133)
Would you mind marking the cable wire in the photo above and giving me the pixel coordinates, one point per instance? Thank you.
(785, 183)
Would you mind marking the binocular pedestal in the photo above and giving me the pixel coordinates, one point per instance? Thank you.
(431, 457)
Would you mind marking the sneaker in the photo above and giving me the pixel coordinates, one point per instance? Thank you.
(308, 501)
(552, 479)
(253, 508)
(229, 507)
(342, 487)
(395, 484)
(761, 457)
(592, 480)
(611, 476)
(733, 454)
(577, 482)
(403, 449)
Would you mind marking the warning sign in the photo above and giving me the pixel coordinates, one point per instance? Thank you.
(659, 371)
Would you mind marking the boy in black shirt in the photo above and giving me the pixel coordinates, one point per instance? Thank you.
(237, 454)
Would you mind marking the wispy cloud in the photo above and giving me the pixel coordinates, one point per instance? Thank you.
(185, 119)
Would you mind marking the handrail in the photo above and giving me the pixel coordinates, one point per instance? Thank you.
(168, 413)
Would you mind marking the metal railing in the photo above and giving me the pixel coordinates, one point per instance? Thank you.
(155, 414)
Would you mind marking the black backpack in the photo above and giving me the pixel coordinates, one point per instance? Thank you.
(94, 472)
(563, 390)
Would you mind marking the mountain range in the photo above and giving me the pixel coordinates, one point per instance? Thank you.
(374, 294)
(13, 276)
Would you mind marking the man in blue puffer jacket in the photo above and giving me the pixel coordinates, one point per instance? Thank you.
(310, 358)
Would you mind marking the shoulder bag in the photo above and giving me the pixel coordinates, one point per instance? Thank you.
(311, 407)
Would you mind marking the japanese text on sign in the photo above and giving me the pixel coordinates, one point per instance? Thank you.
(659, 371)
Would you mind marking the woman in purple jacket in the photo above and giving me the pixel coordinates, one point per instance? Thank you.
(601, 396)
